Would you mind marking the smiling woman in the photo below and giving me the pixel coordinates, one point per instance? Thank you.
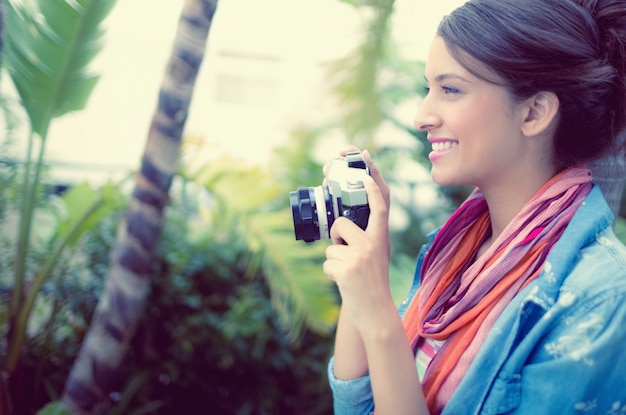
(479, 130)
(524, 286)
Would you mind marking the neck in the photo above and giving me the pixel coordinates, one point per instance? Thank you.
(506, 201)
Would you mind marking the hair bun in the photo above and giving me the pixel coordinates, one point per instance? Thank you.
(610, 17)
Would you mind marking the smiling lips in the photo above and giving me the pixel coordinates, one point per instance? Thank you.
(441, 147)
(444, 145)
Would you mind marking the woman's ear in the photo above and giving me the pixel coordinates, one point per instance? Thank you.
(542, 111)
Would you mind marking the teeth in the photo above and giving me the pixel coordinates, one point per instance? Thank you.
(443, 146)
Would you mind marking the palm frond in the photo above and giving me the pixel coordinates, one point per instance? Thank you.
(49, 46)
(245, 204)
(301, 294)
(355, 79)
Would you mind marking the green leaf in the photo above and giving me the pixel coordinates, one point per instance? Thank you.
(54, 408)
(247, 199)
(85, 207)
(356, 79)
(49, 46)
(236, 184)
(301, 294)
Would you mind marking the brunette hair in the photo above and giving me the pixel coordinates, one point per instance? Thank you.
(573, 48)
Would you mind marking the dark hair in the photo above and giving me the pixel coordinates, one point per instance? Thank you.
(573, 48)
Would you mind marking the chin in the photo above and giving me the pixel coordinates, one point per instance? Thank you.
(443, 179)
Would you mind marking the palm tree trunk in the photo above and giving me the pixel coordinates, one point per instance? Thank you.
(610, 174)
(118, 312)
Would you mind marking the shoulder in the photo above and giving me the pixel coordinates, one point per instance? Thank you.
(582, 289)
(588, 258)
(579, 337)
(599, 269)
(589, 312)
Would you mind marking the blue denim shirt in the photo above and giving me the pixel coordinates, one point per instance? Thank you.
(558, 348)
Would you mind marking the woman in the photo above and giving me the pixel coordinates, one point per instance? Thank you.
(519, 300)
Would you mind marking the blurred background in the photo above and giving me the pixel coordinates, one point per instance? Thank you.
(239, 318)
(265, 72)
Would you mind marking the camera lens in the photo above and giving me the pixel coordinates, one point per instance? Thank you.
(304, 214)
(312, 212)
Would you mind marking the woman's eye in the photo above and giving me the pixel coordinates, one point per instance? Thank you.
(449, 90)
(445, 90)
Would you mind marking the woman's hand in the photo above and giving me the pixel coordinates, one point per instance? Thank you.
(358, 260)
(370, 337)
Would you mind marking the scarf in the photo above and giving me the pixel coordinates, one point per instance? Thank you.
(461, 296)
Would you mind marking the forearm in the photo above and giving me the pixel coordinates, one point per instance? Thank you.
(385, 353)
(350, 357)
(395, 382)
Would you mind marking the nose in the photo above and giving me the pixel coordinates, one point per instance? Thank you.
(425, 118)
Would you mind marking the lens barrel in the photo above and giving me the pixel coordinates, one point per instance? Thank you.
(304, 214)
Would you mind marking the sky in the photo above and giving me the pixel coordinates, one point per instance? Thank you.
(296, 35)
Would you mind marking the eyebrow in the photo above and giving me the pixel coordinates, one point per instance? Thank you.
(446, 76)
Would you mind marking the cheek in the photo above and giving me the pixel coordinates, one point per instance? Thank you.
(479, 118)
(467, 122)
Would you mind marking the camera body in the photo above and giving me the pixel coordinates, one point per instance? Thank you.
(315, 209)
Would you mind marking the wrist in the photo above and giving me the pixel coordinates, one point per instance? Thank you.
(385, 326)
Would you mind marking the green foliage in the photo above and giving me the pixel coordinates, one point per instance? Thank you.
(63, 291)
(356, 79)
(372, 80)
(82, 208)
(49, 45)
(54, 409)
(251, 202)
(293, 164)
(211, 336)
(370, 84)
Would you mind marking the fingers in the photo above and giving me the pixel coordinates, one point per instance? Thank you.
(334, 266)
(346, 231)
(377, 176)
(378, 223)
(378, 196)
(373, 169)
(343, 230)
(345, 260)
(342, 153)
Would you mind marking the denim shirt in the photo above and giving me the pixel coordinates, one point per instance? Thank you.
(559, 347)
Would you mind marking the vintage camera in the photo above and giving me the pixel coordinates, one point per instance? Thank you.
(315, 209)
